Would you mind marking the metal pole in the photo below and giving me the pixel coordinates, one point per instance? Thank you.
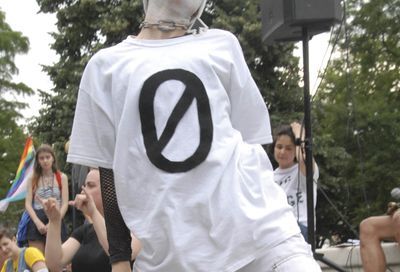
(309, 156)
(308, 141)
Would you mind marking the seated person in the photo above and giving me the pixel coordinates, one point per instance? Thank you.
(20, 259)
(373, 230)
(87, 247)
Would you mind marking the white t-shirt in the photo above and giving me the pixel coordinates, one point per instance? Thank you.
(294, 183)
(180, 121)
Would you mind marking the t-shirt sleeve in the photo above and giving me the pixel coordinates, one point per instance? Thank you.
(249, 113)
(78, 234)
(3, 269)
(93, 134)
(32, 256)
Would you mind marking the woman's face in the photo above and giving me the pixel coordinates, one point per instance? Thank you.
(45, 160)
(285, 151)
(92, 185)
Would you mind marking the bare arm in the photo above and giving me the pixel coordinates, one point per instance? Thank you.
(101, 232)
(121, 267)
(99, 225)
(28, 207)
(39, 266)
(57, 254)
(136, 247)
(84, 202)
(64, 195)
(299, 133)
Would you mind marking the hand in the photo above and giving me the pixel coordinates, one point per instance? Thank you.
(51, 209)
(84, 202)
(296, 128)
(392, 208)
(42, 228)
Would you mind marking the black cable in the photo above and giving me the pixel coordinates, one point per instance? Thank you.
(343, 24)
(349, 257)
(338, 212)
(349, 90)
(330, 56)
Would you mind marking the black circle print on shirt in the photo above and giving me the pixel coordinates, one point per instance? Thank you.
(194, 90)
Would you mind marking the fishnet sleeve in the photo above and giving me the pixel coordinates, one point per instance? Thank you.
(118, 234)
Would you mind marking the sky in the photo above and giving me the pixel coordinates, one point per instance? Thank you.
(23, 16)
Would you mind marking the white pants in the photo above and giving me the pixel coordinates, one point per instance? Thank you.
(292, 255)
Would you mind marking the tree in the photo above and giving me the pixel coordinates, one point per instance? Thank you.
(357, 112)
(12, 137)
(87, 26)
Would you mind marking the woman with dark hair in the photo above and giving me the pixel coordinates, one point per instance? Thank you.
(46, 181)
(87, 247)
(291, 171)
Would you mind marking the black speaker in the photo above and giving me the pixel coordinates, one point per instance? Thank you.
(283, 20)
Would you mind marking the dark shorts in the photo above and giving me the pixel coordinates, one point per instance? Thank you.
(33, 233)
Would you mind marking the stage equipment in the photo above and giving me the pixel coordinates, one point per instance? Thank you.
(294, 20)
(284, 20)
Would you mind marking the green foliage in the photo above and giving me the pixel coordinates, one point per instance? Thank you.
(11, 43)
(12, 137)
(11, 217)
(273, 67)
(358, 116)
(84, 27)
(355, 114)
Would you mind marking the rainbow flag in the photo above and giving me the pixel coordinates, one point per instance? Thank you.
(19, 185)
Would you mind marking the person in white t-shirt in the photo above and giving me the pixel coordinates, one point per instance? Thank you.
(291, 171)
(175, 121)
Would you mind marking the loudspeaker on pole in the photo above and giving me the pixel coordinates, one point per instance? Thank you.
(283, 20)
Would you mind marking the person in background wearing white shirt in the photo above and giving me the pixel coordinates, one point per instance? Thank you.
(291, 171)
(175, 122)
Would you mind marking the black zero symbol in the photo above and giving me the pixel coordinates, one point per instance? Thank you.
(154, 146)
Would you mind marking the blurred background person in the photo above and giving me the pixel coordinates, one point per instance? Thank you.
(86, 249)
(46, 181)
(19, 259)
(288, 148)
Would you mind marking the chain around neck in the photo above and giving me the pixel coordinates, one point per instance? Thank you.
(164, 26)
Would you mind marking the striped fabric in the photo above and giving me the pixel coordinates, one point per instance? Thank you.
(19, 185)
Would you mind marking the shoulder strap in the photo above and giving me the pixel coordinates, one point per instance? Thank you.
(22, 265)
(9, 266)
(58, 178)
